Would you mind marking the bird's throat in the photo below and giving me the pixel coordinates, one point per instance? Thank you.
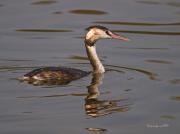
(94, 59)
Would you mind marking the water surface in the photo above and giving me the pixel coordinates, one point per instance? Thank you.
(139, 93)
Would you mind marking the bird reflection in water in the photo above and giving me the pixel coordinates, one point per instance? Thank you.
(95, 107)
(97, 130)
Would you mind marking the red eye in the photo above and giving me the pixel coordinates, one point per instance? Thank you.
(108, 33)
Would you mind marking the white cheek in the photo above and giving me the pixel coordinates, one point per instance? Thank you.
(104, 35)
(89, 34)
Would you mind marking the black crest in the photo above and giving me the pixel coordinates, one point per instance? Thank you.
(98, 27)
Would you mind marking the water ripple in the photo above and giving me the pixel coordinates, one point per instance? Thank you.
(174, 4)
(77, 57)
(57, 12)
(137, 23)
(151, 75)
(175, 81)
(96, 130)
(43, 30)
(148, 2)
(176, 98)
(146, 48)
(88, 12)
(159, 61)
(44, 2)
(149, 32)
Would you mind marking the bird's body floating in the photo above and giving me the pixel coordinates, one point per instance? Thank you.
(62, 75)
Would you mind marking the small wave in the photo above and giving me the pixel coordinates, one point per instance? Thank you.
(88, 12)
(43, 30)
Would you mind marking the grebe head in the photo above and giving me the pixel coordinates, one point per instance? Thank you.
(100, 32)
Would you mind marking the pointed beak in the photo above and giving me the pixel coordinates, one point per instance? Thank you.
(118, 37)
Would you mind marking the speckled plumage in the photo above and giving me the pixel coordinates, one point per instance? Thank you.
(55, 73)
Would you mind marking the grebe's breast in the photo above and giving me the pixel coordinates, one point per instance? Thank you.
(57, 75)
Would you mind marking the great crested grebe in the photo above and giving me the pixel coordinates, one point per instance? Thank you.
(62, 74)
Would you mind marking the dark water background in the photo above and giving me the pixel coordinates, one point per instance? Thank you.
(139, 94)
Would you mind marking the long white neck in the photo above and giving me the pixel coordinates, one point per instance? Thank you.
(94, 59)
